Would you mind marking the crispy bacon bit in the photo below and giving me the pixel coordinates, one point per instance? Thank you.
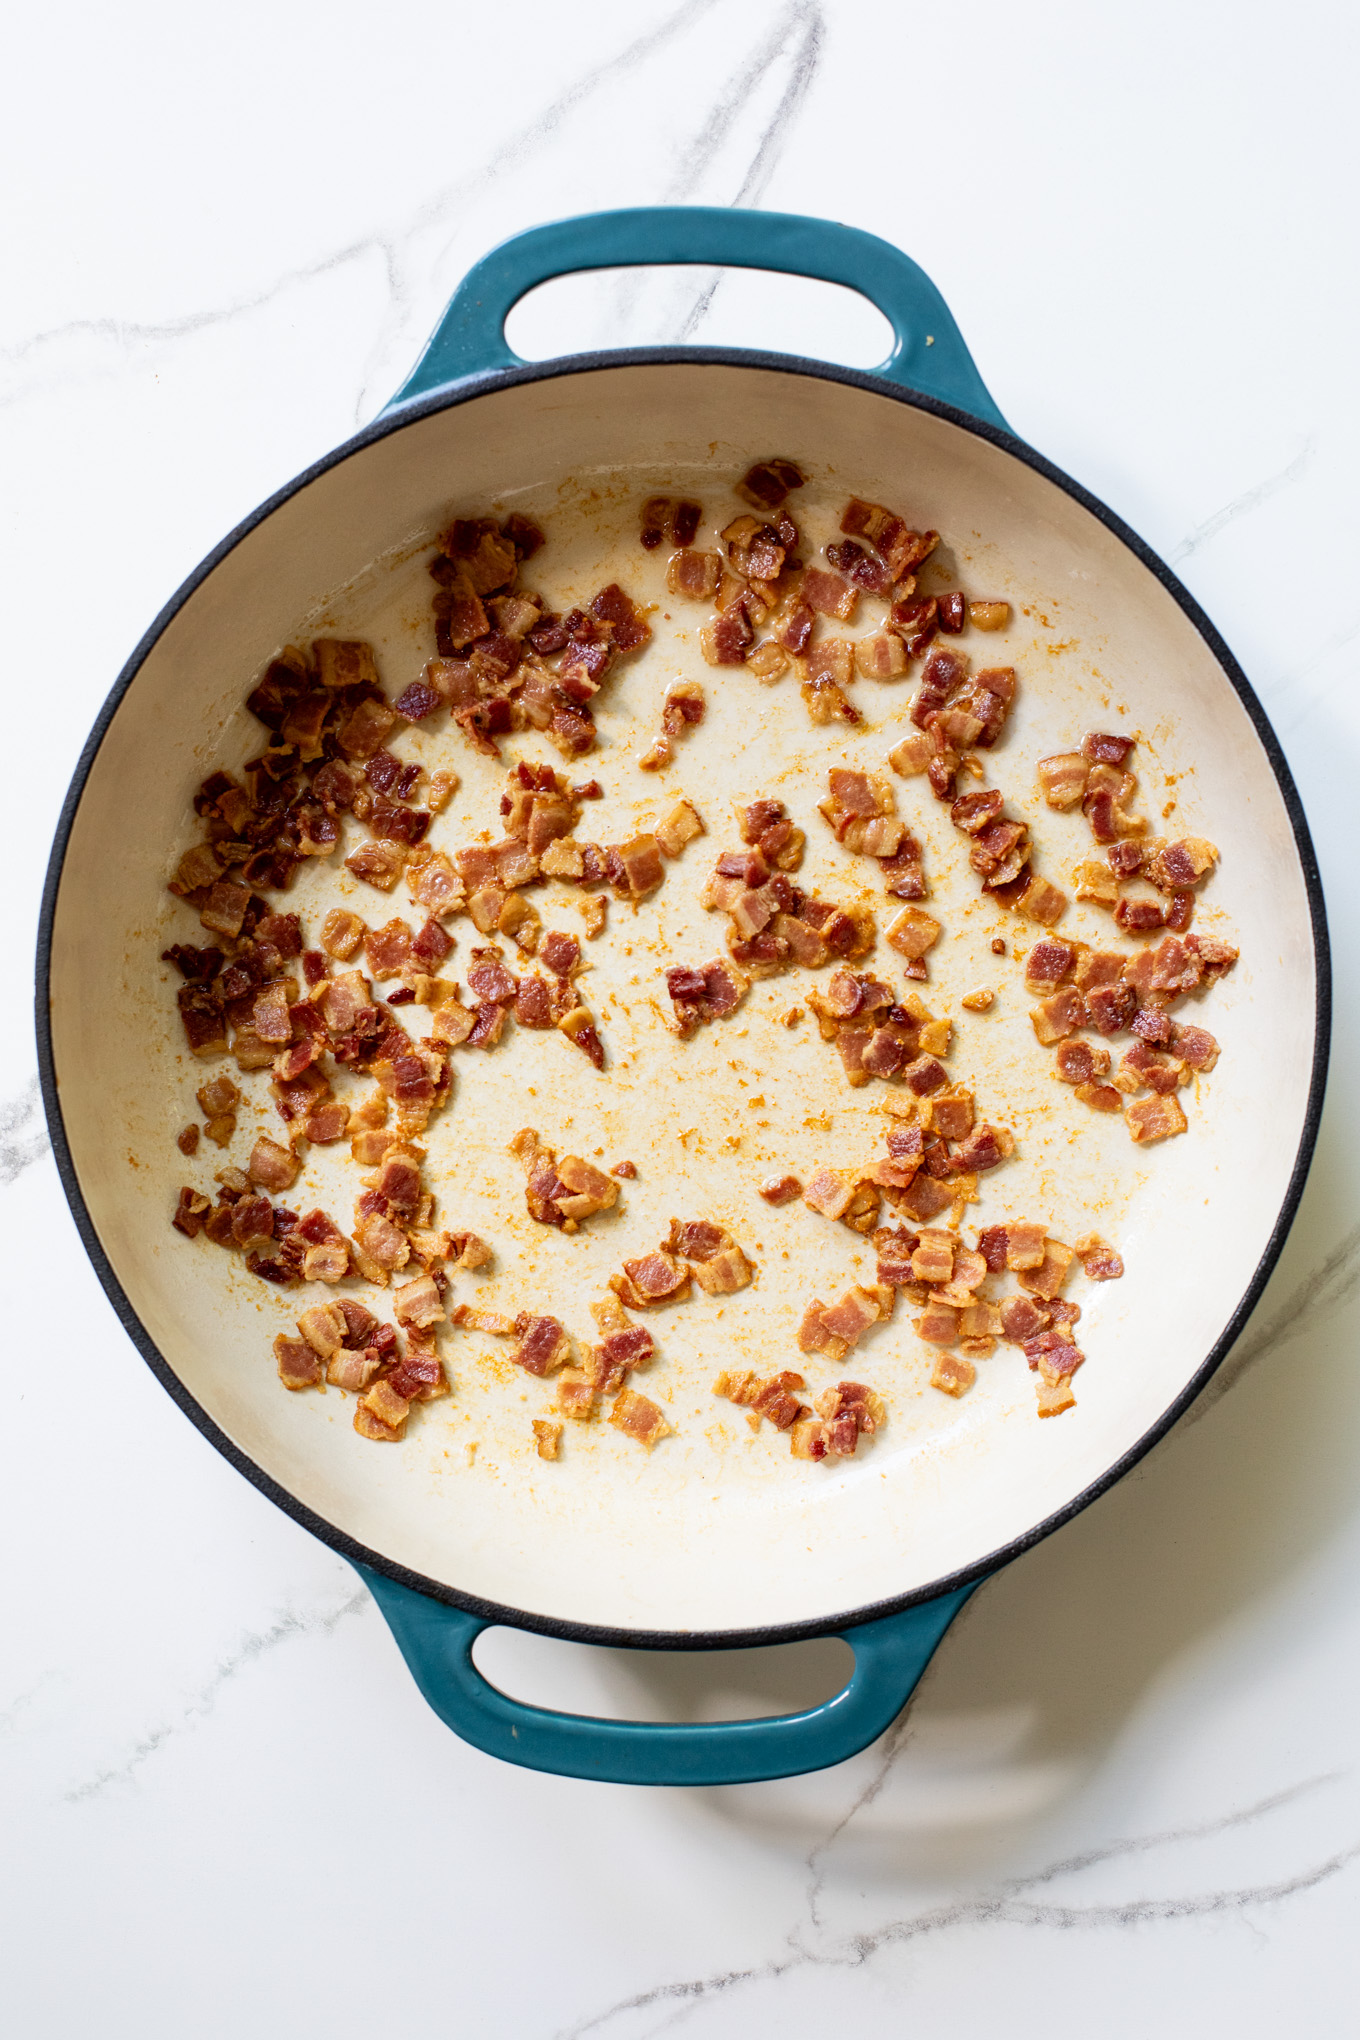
(952, 1374)
(419, 1304)
(190, 1213)
(547, 1437)
(772, 1400)
(912, 932)
(298, 1364)
(1048, 1277)
(849, 1411)
(381, 1414)
(704, 992)
(1063, 779)
(271, 1166)
(768, 482)
(781, 1189)
(651, 1280)
(1099, 1260)
(378, 863)
(1098, 749)
(638, 1418)
(834, 1328)
(1079, 1062)
(1182, 865)
(1153, 1119)
(543, 1345)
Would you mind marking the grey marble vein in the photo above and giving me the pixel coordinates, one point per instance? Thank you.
(252, 1647)
(1331, 1283)
(1250, 499)
(803, 26)
(1007, 1904)
(23, 1132)
(432, 212)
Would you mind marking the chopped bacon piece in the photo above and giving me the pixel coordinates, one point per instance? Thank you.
(1049, 964)
(298, 1364)
(1022, 1318)
(587, 1188)
(547, 1437)
(1054, 1019)
(378, 863)
(543, 1345)
(638, 1418)
(271, 1166)
(1063, 778)
(1182, 865)
(381, 1414)
(1099, 1260)
(651, 1280)
(1100, 749)
(952, 1374)
(190, 1212)
(849, 1411)
(912, 932)
(1048, 1277)
(1080, 1061)
(641, 867)
(1111, 1007)
(419, 1304)
(768, 482)
(1096, 882)
(1154, 1119)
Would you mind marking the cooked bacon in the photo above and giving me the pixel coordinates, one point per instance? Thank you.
(379, 863)
(419, 1304)
(1099, 1260)
(680, 826)
(190, 1212)
(849, 1412)
(768, 482)
(381, 1414)
(1153, 1119)
(651, 1280)
(588, 1189)
(708, 991)
(547, 1437)
(1079, 1062)
(638, 1418)
(952, 1374)
(912, 932)
(1063, 778)
(543, 1345)
(298, 1364)
(1049, 964)
(271, 1166)
(1048, 1277)
(773, 1399)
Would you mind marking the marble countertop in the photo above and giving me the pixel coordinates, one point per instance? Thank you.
(1126, 1793)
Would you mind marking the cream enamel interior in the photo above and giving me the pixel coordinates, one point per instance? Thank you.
(716, 1529)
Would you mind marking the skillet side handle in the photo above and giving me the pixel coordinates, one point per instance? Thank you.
(436, 1641)
(929, 353)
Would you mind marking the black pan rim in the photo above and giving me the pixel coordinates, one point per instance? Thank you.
(494, 1613)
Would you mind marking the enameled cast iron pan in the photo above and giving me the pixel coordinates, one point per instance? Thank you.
(884, 1550)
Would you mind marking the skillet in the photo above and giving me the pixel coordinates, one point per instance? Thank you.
(662, 1556)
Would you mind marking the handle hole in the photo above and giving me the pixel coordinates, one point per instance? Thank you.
(670, 1686)
(680, 303)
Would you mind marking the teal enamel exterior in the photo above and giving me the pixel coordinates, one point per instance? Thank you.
(436, 1642)
(929, 352)
(929, 355)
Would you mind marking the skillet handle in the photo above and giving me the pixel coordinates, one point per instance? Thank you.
(929, 353)
(436, 1641)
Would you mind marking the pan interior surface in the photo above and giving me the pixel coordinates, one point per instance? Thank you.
(717, 1529)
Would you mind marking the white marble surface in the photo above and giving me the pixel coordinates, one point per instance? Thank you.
(1125, 1797)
